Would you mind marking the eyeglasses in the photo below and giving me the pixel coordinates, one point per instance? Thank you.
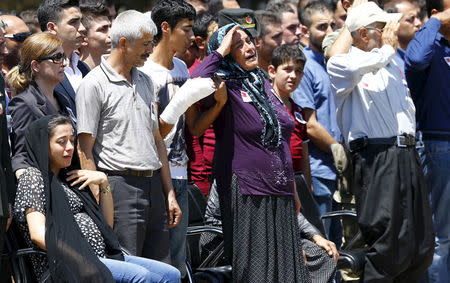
(19, 37)
(57, 58)
(377, 29)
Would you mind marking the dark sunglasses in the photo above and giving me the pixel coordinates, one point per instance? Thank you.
(19, 37)
(57, 58)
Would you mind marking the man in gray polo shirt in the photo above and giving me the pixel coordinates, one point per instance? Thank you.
(118, 133)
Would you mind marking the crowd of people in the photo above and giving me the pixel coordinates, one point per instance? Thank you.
(108, 120)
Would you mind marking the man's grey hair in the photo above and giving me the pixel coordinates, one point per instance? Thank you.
(131, 25)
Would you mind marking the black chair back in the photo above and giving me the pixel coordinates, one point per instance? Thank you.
(197, 206)
(309, 206)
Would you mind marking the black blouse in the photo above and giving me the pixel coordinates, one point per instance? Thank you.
(30, 194)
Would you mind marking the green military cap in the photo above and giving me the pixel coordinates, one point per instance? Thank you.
(243, 17)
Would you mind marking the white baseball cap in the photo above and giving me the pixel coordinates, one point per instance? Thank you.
(368, 13)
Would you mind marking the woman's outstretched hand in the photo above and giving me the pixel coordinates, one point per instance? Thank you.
(328, 246)
(225, 47)
(88, 177)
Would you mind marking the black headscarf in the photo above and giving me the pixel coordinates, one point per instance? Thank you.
(70, 257)
(253, 83)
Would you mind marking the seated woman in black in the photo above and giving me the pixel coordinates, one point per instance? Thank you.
(56, 211)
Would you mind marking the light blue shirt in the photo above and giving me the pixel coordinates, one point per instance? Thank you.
(315, 93)
(427, 64)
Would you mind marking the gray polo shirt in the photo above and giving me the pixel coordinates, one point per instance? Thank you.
(121, 116)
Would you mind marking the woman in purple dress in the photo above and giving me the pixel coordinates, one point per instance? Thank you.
(253, 166)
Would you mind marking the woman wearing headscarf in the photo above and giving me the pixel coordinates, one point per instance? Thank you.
(33, 81)
(56, 211)
(253, 167)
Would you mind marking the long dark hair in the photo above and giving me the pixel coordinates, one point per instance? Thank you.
(70, 256)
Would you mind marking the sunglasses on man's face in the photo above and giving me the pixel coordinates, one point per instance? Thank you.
(19, 37)
(57, 58)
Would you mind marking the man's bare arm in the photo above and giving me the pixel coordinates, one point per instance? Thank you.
(317, 133)
(173, 210)
(85, 153)
(85, 147)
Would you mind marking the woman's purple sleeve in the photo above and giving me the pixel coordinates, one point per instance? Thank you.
(208, 66)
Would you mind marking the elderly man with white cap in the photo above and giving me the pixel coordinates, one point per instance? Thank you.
(376, 117)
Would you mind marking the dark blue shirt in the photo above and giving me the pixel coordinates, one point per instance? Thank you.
(427, 66)
(315, 93)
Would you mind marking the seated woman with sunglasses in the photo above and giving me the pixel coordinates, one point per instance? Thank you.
(56, 211)
(33, 81)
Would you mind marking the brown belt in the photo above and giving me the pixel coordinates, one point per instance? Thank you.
(129, 172)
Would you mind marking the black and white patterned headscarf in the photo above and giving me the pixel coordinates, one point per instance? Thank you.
(253, 83)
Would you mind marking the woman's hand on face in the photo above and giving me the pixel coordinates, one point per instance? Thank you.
(88, 177)
(225, 47)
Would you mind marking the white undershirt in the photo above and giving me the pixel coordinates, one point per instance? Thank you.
(74, 75)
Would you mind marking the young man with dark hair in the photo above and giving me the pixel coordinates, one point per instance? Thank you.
(316, 17)
(270, 36)
(97, 41)
(427, 67)
(409, 24)
(175, 14)
(63, 18)
(290, 23)
(174, 20)
(204, 26)
(315, 96)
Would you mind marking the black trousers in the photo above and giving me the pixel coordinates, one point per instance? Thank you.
(393, 213)
(140, 217)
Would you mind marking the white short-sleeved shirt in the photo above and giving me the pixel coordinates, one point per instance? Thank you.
(166, 83)
(121, 116)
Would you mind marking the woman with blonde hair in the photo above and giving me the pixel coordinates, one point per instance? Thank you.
(33, 81)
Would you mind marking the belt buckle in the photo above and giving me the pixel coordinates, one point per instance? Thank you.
(401, 141)
(145, 173)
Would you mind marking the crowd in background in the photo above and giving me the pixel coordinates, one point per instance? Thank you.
(109, 119)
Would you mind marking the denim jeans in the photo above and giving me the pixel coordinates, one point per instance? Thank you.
(435, 159)
(178, 233)
(141, 270)
(323, 195)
